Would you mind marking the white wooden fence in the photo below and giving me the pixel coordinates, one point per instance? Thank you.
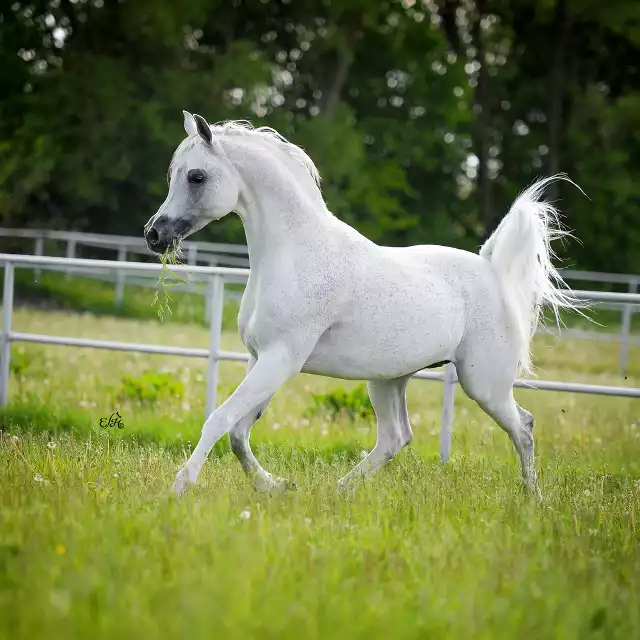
(216, 278)
(236, 255)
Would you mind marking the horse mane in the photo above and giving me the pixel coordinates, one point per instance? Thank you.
(269, 135)
(266, 135)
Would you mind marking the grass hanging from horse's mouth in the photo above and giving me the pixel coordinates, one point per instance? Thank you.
(161, 298)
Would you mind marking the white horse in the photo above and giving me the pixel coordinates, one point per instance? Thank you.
(323, 299)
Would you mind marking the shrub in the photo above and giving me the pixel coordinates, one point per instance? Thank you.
(150, 387)
(339, 402)
(21, 360)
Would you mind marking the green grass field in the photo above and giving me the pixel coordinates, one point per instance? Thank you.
(92, 545)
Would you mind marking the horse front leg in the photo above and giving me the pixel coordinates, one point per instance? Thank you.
(239, 439)
(274, 367)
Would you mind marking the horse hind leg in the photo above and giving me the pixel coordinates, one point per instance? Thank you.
(492, 389)
(388, 398)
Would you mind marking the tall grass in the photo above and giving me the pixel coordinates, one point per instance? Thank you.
(93, 545)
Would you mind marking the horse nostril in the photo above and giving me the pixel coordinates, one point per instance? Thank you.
(152, 236)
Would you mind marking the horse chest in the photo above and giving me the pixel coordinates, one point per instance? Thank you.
(246, 326)
(257, 323)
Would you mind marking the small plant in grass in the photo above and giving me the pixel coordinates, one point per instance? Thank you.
(168, 278)
(339, 402)
(21, 360)
(150, 387)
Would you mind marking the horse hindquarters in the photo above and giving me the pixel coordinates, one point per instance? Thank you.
(520, 256)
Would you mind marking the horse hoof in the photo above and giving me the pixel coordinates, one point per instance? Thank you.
(182, 482)
(272, 484)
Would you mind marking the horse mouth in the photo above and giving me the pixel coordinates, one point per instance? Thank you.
(164, 236)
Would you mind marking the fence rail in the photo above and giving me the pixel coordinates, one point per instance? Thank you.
(236, 255)
(214, 354)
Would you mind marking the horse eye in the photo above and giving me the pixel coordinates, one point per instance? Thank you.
(195, 176)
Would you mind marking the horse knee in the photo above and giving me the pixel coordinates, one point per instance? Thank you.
(239, 435)
(526, 421)
(526, 418)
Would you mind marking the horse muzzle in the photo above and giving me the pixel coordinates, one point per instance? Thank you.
(165, 233)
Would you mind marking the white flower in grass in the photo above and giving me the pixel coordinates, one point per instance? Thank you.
(51, 445)
(15, 438)
(307, 521)
(38, 478)
(245, 514)
(587, 492)
(276, 426)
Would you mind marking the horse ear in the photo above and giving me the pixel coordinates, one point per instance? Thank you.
(189, 124)
(203, 128)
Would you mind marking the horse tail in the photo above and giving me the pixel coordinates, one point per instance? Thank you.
(520, 251)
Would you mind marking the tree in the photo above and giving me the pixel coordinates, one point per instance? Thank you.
(425, 119)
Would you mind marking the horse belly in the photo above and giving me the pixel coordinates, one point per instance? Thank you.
(346, 351)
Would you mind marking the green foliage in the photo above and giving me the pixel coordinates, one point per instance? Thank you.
(21, 360)
(150, 387)
(341, 403)
(168, 278)
(385, 97)
(93, 546)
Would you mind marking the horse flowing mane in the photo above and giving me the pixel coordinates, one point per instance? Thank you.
(268, 135)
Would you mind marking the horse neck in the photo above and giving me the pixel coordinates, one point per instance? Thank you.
(279, 210)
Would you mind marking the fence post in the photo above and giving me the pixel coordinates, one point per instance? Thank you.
(71, 253)
(120, 278)
(192, 259)
(5, 352)
(446, 429)
(39, 250)
(625, 331)
(212, 262)
(216, 292)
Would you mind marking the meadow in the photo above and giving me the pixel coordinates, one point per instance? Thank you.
(92, 544)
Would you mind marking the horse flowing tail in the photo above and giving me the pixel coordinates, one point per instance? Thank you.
(520, 251)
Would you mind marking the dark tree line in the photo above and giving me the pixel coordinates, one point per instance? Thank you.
(425, 117)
